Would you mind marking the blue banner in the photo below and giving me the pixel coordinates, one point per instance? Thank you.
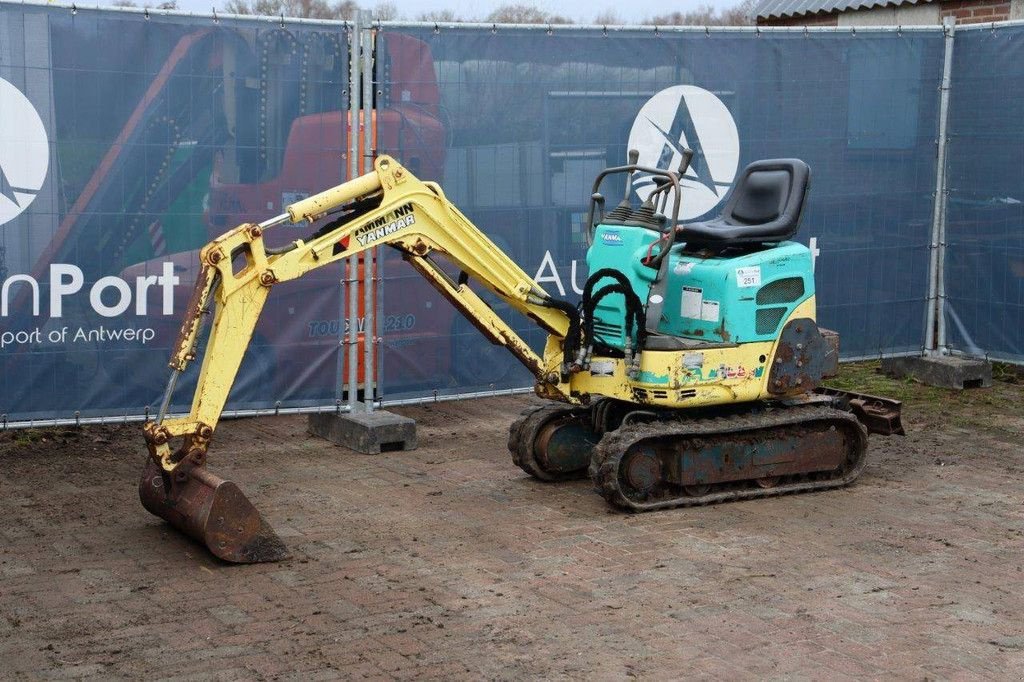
(532, 116)
(127, 141)
(984, 268)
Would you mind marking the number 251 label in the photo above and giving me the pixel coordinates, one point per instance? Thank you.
(748, 277)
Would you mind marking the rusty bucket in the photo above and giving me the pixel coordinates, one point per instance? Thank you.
(213, 511)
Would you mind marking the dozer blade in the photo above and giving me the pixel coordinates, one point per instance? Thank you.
(213, 511)
(879, 415)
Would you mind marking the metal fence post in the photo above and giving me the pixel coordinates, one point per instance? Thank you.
(339, 379)
(378, 279)
(936, 281)
(352, 281)
(369, 256)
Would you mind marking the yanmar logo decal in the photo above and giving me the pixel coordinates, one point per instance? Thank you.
(382, 227)
(612, 238)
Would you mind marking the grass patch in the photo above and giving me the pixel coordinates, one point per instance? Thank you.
(34, 436)
(867, 377)
(25, 437)
(973, 407)
(1004, 371)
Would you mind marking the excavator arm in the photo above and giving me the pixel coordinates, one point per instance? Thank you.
(387, 206)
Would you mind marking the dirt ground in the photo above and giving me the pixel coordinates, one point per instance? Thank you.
(449, 562)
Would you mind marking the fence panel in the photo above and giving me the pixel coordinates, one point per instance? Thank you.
(529, 117)
(984, 265)
(128, 140)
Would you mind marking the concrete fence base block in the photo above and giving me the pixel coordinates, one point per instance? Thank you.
(944, 371)
(368, 432)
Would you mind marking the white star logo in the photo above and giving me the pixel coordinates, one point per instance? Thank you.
(8, 192)
(687, 116)
(24, 152)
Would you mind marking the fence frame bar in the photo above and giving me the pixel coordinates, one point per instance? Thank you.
(936, 282)
(352, 280)
(366, 121)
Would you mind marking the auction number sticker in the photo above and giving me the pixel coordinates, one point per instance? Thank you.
(748, 277)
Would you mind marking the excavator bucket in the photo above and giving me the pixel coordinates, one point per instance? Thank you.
(213, 511)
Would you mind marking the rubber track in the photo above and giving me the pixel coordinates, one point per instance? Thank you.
(523, 433)
(515, 431)
(607, 456)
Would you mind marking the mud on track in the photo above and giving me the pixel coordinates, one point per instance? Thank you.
(450, 562)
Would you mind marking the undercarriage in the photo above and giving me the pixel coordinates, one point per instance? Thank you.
(645, 459)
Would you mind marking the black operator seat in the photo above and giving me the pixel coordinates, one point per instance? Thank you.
(765, 206)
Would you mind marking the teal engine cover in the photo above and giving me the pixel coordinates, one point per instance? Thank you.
(732, 297)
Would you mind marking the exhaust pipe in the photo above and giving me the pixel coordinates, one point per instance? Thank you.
(213, 511)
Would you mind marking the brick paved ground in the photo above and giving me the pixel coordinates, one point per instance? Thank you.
(448, 562)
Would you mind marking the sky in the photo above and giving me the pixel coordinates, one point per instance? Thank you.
(582, 11)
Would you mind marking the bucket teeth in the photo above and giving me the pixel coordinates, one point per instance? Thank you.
(214, 512)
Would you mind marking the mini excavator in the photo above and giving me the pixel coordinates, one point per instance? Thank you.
(688, 373)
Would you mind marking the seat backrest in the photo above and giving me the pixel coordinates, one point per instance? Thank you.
(762, 197)
(769, 193)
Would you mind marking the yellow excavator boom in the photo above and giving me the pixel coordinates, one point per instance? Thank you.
(412, 216)
(387, 206)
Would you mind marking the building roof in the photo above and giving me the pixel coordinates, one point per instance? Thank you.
(775, 9)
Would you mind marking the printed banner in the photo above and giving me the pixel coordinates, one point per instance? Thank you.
(984, 305)
(531, 117)
(126, 143)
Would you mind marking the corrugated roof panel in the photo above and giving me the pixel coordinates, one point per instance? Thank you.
(777, 9)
